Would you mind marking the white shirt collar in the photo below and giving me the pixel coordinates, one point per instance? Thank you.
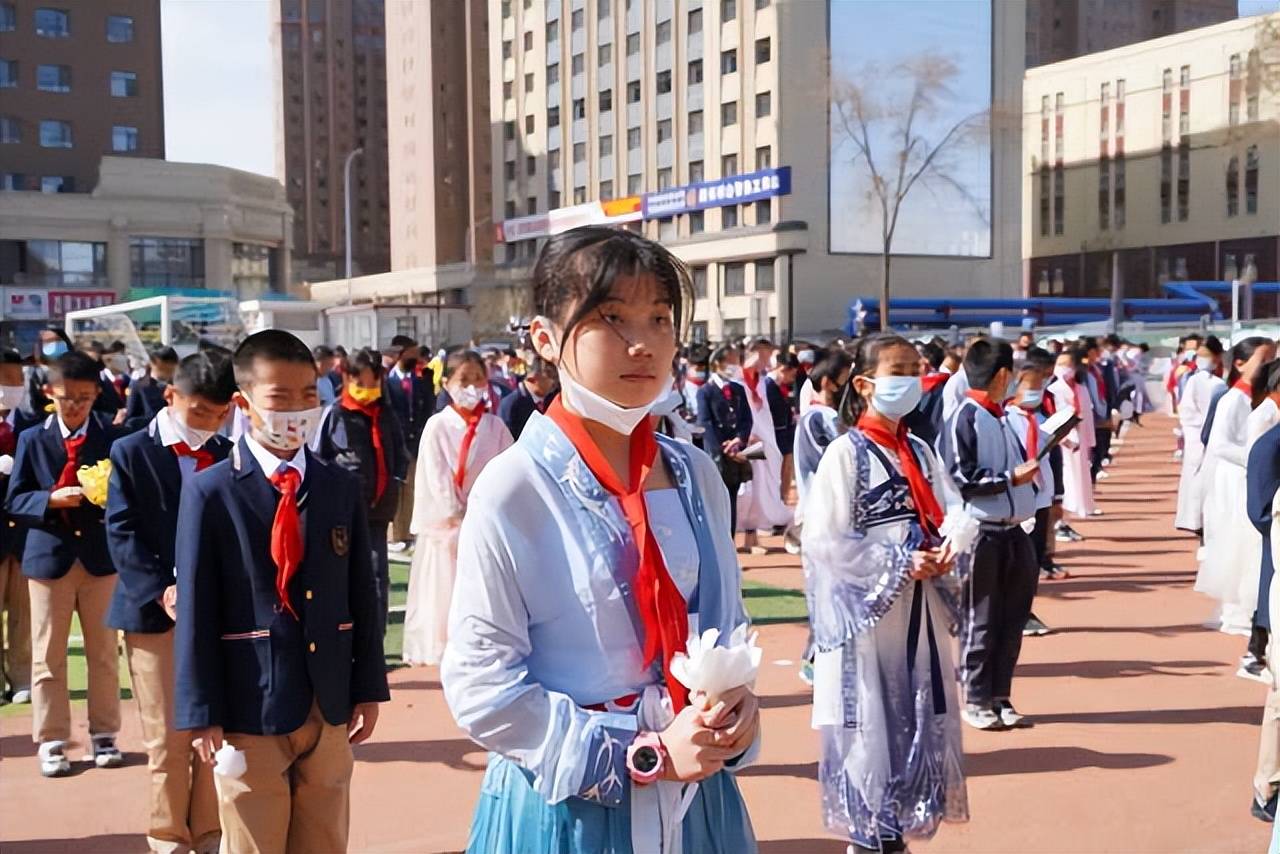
(718, 381)
(270, 463)
(164, 426)
(66, 431)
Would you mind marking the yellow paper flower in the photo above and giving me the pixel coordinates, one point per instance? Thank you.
(93, 480)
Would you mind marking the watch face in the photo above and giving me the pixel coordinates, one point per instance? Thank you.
(645, 759)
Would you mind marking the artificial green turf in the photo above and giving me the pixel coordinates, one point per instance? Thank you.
(767, 605)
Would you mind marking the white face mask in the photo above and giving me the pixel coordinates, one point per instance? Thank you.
(1032, 397)
(1204, 363)
(11, 396)
(468, 397)
(192, 436)
(1063, 373)
(895, 397)
(287, 431)
(593, 407)
(732, 372)
(118, 364)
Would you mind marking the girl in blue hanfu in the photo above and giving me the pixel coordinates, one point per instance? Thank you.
(880, 557)
(589, 552)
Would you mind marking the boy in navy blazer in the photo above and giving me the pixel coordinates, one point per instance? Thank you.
(66, 562)
(535, 393)
(278, 647)
(146, 396)
(148, 469)
(15, 601)
(411, 394)
(725, 417)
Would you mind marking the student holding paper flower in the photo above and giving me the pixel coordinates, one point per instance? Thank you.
(878, 555)
(600, 549)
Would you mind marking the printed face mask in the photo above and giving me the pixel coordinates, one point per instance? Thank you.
(467, 398)
(287, 431)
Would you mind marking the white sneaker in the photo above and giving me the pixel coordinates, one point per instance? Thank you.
(1104, 474)
(397, 547)
(105, 752)
(1010, 717)
(21, 696)
(53, 759)
(981, 717)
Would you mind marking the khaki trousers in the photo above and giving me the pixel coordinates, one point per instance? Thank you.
(15, 652)
(295, 795)
(52, 604)
(1266, 777)
(184, 805)
(400, 532)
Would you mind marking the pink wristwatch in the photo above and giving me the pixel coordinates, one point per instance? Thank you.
(646, 758)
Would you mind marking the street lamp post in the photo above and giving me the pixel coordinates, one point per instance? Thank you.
(346, 212)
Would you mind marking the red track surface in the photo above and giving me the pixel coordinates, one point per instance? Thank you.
(1145, 740)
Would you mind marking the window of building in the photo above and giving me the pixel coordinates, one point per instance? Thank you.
(764, 276)
(728, 166)
(509, 170)
(634, 184)
(764, 104)
(553, 199)
(695, 122)
(604, 54)
(602, 9)
(577, 64)
(633, 92)
(53, 23)
(528, 124)
(762, 4)
(506, 8)
(606, 145)
(166, 262)
(577, 18)
(13, 181)
(729, 114)
(531, 205)
(764, 157)
(735, 275)
(728, 10)
(606, 100)
(764, 211)
(697, 224)
(553, 32)
(553, 159)
(764, 50)
(124, 138)
(695, 72)
(57, 184)
(8, 18)
(579, 108)
(553, 117)
(662, 34)
(1117, 212)
(579, 195)
(1251, 180)
(509, 210)
(506, 90)
(1184, 76)
(1233, 113)
(664, 82)
(55, 134)
(530, 165)
(8, 73)
(633, 44)
(506, 48)
(1233, 186)
(528, 82)
(579, 152)
(633, 138)
(124, 84)
(729, 217)
(664, 178)
(1045, 218)
(695, 22)
(1251, 107)
(1104, 193)
(528, 41)
(1059, 199)
(606, 190)
(729, 61)
(119, 29)
(1166, 183)
(664, 130)
(699, 277)
(10, 130)
(553, 73)
(1184, 182)
(1166, 80)
(1104, 93)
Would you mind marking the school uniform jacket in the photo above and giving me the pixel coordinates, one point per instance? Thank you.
(981, 452)
(516, 408)
(346, 437)
(1262, 479)
(56, 539)
(110, 399)
(784, 423)
(146, 398)
(414, 408)
(13, 534)
(722, 420)
(142, 525)
(242, 662)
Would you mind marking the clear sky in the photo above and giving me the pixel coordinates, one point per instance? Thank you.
(219, 105)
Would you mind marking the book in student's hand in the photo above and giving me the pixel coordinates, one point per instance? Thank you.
(1058, 426)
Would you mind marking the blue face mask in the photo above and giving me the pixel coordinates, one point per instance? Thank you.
(896, 396)
(1031, 398)
(1011, 390)
(54, 349)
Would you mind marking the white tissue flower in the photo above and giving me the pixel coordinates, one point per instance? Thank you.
(712, 669)
(229, 761)
(6, 464)
(960, 530)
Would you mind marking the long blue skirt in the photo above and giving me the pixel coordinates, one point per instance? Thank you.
(512, 818)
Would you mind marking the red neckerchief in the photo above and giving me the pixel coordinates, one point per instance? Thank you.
(1097, 377)
(931, 381)
(751, 377)
(984, 400)
(1244, 386)
(662, 608)
(202, 455)
(372, 411)
(1032, 443)
(922, 496)
(121, 384)
(72, 445)
(8, 438)
(286, 533)
(473, 424)
(694, 381)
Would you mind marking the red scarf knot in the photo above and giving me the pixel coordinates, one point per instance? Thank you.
(202, 455)
(286, 533)
(372, 411)
(926, 503)
(473, 424)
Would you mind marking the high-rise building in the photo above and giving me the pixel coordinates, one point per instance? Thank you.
(438, 133)
(331, 100)
(77, 81)
(1155, 162)
(1063, 29)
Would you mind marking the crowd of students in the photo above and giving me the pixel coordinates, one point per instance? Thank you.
(574, 513)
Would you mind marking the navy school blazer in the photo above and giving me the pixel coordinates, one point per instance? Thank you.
(1262, 480)
(142, 525)
(13, 534)
(242, 662)
(720, 421)
(145, 400)
(56, 539)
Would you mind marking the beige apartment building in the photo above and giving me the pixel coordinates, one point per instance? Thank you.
(77, 81)
(1155, 162)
